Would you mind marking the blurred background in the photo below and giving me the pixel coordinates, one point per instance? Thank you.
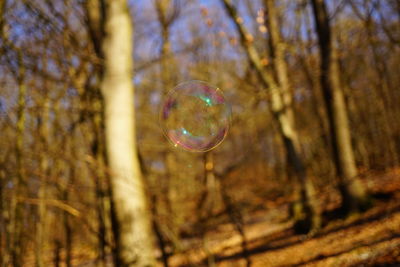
(307, 175)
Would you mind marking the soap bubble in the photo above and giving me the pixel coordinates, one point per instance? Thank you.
(195, 116)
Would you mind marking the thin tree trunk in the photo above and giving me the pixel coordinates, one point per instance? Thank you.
(68, 230)
(3, 217)
(167, 13)
(15, 226)
(352, 190)
(3, 211)
(57, 253)
(15, 214)
(133, 219)
(213, 187)
(277, 53)
(158, 233)
(68, 238)
(95, 11)
(43, 130)
(101, 179)
(164, 21)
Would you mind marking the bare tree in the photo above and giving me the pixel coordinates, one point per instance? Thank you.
(352, 190)
(306, 211)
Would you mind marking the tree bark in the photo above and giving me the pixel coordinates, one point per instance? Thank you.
(352, 190)
(132, 216)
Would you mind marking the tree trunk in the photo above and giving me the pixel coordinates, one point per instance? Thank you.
(57, 253)
(68, 229)
(352, 190)
(162, 14)
(4, 213)
(169, 228)
(41, 219)
(95, 11)
(277, 55)
(132, 216)
(15, 227)
(306, 206)
(101, 179)
(3, 217)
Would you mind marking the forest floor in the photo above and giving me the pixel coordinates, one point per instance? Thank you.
(368, 239)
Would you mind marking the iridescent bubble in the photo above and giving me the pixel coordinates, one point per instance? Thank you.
(195, 116)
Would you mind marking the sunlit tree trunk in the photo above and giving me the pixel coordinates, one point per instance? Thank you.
(305, 211)
(352, 190)
(277, 54)
(134, 240)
